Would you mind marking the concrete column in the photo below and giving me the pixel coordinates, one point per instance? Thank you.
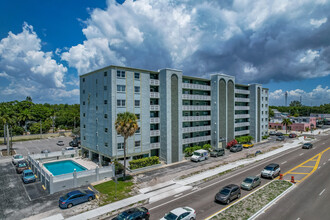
(62, 151)
(46, 154)
(51, 187)
(90, 155)
(76, 152)
(100, 160)
(75, 178)
(97, 171)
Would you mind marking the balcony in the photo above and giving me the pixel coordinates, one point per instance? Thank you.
(154, 120)
(196, 129)
(196, 107)
(154, 95)
(154, 145)
(241, 91)
(242, 107)
(196, 118)
(195, 86)
(154, 82)
(242, 124)
(154, 133)
(242, 100)
(196, 139)
(242, 116)
(195, 97)
(154, 107)
(237, 133)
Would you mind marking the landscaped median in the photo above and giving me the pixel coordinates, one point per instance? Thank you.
(252, 203)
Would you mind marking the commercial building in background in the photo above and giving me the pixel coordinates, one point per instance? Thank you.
(174, 112)
(298, 124)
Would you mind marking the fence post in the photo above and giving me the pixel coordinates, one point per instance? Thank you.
(97, 171)
(75, 178)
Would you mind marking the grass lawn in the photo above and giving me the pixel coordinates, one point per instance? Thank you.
(108, 190)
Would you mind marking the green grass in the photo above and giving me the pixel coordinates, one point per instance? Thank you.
(18, 140)
(108, 190)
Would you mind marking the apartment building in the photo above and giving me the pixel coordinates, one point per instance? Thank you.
(174, 112)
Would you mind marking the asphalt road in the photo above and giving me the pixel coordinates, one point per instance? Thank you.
(201, 197)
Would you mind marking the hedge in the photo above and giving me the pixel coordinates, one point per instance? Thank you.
(244, 139)
(144, 162)
(190, 150)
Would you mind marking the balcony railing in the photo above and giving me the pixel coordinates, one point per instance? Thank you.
(154, 133)
(154, 94)
(196, 129)
(154, 82)
(196, 139)
(242, 100)
(242, 107)
(242, 132)
(154, 107)
(242, 116)
(242, 91)
(196, 118)
(195, 97)
(196, 107)
(154, 120)
(195, 86)
(242, 124)
(154, 145)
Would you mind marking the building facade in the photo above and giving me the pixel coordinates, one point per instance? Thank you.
(174, 112)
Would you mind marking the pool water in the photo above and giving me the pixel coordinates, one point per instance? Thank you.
(63, 167)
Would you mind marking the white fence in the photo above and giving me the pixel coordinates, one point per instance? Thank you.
(66, 181)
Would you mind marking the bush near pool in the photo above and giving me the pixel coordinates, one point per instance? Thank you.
(144, 162)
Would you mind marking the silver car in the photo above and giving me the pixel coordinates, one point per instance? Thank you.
(251, 182)
(17, 158)
(271, 171)
(185, 213)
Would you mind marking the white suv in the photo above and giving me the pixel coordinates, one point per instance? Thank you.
(271, 171)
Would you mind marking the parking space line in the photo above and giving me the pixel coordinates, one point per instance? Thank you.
(298, 173)
(43, 187)
(322, 192)
(308, 166)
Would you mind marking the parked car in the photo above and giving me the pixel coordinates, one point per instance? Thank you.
(60, 143)
(28, 176)
(185, 213)
(271, 171)
(21, 166)
(133, 214)
(292, 135)
(272, 133)
(236, 148)
(280, 138)
(228, 194)
(247, 145)
(279, 134)
(69, 148)
(17, 158)
(45, 151)
(217, 152)
(76, 197)
(251, 182)
(307, 146)
(74, 143)
(199, 155)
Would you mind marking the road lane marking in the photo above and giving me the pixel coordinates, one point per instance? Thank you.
(180, 194)
(301, 154)
(308, 166)
(324, 163)
(298, 173)
(284, 162)
(322, 192)
(298, 218)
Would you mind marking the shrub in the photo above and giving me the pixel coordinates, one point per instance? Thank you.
(190, 150)
(231, 143)
(244, 139)
(118, 167)
(144, 162)
(265, 137)
(207, 147)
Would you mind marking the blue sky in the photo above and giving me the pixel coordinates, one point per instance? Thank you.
(45, 45)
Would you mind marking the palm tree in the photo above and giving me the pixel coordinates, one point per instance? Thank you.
(126, 125)
(286, 122)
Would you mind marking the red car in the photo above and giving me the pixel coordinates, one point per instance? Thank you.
(292, 135)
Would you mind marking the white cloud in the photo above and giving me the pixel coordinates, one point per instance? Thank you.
(309, 56)
(318, 23)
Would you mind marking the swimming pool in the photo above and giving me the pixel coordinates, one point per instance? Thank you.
(63, 167)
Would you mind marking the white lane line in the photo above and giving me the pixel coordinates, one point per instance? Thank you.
(298, 218)
(319, 167)
(178, 195)
(322, 192)
(324, 163)
(284, 162)
(301, 154)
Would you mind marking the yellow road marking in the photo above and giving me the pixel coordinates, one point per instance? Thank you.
(308, 166)
(43, 187)
(298, 173)
(90, 189)
(97, 197)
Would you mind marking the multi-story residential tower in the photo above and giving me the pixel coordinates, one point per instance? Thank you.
(173, 111)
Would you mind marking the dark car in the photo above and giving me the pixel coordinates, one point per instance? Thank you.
(73, 143)
(21, 166)
(60, 143)
(251, 182)
(307, 146)
(236, 148)
(292, 135)
(280, 138)
(279, 134)
(271, 171)
(228, 194)
(45, 151)
(28, 176)
(76, 197)
(217, 152)
(133, 214)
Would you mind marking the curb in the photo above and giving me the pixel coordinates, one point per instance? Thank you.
(262, 210)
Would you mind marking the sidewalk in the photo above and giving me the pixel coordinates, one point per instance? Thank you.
(166, 189)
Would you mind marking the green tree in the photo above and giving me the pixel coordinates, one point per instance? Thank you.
(286, 122)
(126, 125)
(271, 113)
(295, 104)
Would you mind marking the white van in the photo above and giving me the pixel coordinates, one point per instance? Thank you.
(199, 155)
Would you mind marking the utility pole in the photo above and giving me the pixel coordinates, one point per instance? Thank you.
(11, 140)
(4, 135)
(40, 129)
(7, 140)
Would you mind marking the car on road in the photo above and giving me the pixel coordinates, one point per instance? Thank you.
(271, 171)
(74, 143)
(228, 194)
(280, 138)
(60, 143)
(279, 134)
(247, 145)
(184, 213)
(28, 176)
(307, 146)
(272, 133)
(45, 151)
(217, 152)
(236, 148)
(251, 182)
(21, 166)
(133, 214)
(199, 155)
(17, 158)
(69, 148)
(76, 197)
(292, 135)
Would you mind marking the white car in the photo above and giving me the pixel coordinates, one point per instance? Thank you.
(69, 148)
(185, 213)
(17, 158)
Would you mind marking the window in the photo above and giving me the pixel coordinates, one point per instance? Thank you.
(105, 87)
(84, 115)
(84, 126)
(105, 73)
(120, 146)
(96, 81)
(137, 103)
(138, 131)
(121, 103)
(97, 108)
(137, 143)
(105, 102)
(105, 144)
(138, 116)
(121, 88)
(83, 79)
(105, 115)
(121, 74)
(137, 89)
(136, 75)
(83, 103)
(106, 130)
(84, 137)
(83, 91)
